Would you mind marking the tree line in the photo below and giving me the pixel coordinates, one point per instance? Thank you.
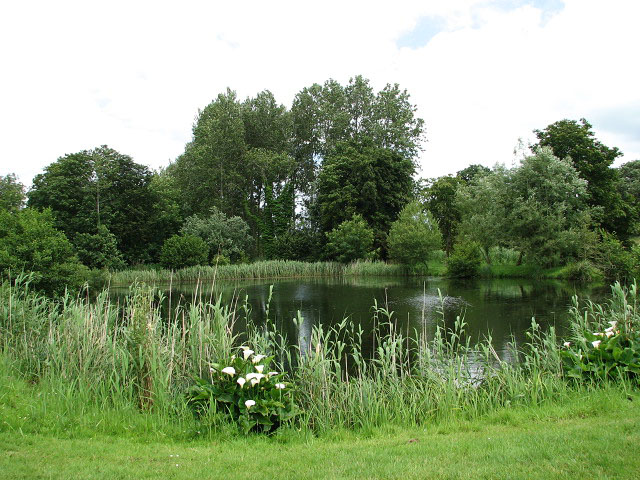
(333, 177)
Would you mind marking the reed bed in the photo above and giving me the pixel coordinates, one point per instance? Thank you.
(95, 356)
(257, 270)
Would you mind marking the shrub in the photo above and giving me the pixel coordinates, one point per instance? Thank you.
(465, 260)
(246, 390)
(99, 250)
(582, 272)
(351, 240)
(181, 251)
(29, 242)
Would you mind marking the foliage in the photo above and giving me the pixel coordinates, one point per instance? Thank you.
(472, 173)
(606, 341)
(181, 251)
(228, 236)
(302, 243)
(414, 236)
(615, 262)
(351, 240)
(629, 174)
(592, 159)
(465, 260)
(29, 242)
(245, 388)
(12, 195)
(440, 198)
(99, 250)
(373, 182)
(99, 187)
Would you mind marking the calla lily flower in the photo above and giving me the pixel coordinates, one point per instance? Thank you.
(241, 381)
(259, 368)
(609, 333)
(271, 374)
(247, 353)
(254, 382)
(244, 347)
(257, 358)
(280, 386)
(229, 370)
(613, 323)
(249, 403)
(257, 376)
(596, 344)
(567, 344)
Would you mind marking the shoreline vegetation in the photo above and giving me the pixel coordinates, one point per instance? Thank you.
(278, 269)
(116, 378)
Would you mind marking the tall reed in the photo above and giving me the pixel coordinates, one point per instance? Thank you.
(96, 354)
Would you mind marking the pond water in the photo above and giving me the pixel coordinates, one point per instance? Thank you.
(501, 308)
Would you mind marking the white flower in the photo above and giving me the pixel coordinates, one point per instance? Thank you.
(280, 386)
(249, 403)
(254, 382)
(567, 344)
(259, 368)
(229, 370)
(608, 333)
(613, 323)
(599, 334)
(244, 347)
(211, 369)
(257, 358)
(596, 343)
(241, 381)
(254, 376)
(271, 374)
(247, 353)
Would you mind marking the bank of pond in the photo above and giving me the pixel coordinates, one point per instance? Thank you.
(351, 352)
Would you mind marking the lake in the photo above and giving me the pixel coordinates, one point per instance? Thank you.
(502, 308)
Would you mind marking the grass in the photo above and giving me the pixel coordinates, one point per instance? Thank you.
(272, 269)
(588, 435)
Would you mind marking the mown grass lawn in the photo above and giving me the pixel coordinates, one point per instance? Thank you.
(585, 436)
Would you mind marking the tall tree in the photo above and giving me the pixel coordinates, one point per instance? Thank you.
(592, 159)
(371, 181)
(440, 199)
(99, 187)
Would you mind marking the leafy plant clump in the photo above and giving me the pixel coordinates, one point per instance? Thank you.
(606, 340)
(255, 398)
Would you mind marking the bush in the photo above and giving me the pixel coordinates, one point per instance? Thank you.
(465, 260)
(246, 390)
(351, 240)
(414, 236)
(181, 251)
(582, 272)
(613, 259)
(29, 242)
(99, 250)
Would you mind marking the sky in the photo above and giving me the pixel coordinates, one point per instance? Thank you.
(483, 73)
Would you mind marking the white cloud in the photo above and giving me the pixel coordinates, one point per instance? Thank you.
(133, 74)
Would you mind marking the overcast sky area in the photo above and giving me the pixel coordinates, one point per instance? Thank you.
(483, 73)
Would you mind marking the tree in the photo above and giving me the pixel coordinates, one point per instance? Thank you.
(210, 172)
(484, 205)
(373, 182)
(99, 250)
(548, 205)
(440, 199)
(592, 159)
(629, 174)
(29, 242)
(180, 251)
(351, 240)
(222, 235)
(472, 173)
(12, 195)
(414, 236)
(99, 187)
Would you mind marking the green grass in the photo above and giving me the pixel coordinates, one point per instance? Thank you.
(257, 270)
(588, 435)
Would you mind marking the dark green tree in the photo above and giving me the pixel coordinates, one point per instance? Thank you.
(440, 199)
(99, 187)
(351, 240)
(373, 182)
(593, 160)
(473, 172)
(99, 250)
(180, 251)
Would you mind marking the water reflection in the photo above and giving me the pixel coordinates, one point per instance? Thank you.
(500, 308)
